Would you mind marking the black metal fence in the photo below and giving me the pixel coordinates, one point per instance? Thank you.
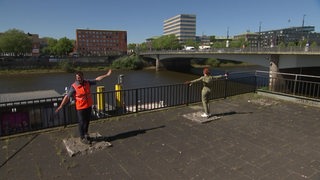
(31, 115)
(36, 114)
(297, 85)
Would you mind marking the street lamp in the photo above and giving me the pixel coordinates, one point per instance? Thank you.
(303, 20)
(259, 40)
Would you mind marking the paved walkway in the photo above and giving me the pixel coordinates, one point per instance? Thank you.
(255, 138)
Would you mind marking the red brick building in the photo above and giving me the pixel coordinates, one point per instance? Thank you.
(35, 44)
(100, 42)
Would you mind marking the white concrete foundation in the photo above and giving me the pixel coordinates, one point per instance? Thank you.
(196, 117)
(75, 147)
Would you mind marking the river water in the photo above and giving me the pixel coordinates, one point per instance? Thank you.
(131, 79)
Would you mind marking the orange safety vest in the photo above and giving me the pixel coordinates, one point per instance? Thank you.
(83, 95)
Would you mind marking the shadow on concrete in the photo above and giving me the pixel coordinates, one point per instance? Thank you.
(18, 150)
(231, 113)
(124, 135)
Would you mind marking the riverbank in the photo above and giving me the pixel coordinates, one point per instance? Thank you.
(45, 71)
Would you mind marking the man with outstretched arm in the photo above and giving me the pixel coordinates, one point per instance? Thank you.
(80, 91)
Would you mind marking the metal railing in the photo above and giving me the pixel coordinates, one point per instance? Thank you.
(298, 85)
(247, 50)
(31, 115)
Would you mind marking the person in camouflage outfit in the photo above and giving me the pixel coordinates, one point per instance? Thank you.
(207, 81)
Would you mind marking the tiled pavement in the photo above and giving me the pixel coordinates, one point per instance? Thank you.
(255, 138)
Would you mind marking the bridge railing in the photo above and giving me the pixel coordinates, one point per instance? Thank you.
(269, 50)
(36, 114)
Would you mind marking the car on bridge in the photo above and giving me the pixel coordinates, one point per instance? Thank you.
(189, 48)
(204, 48)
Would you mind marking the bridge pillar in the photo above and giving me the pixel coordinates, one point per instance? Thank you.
(157, 63)
(159, 66)
(273, 71)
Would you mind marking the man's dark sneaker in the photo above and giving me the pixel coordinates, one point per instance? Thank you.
(87, 137)
(85, 141)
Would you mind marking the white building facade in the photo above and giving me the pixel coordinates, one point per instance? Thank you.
(182, 25)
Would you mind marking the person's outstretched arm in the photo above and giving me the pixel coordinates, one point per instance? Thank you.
(64, 101)
(221, 76)
(99, 78)
(194, 81)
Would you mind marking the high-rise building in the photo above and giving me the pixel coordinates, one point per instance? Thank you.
(100, 42)
(182, 25)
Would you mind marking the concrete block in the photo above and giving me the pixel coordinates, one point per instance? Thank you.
(196, 117)
(75, 147)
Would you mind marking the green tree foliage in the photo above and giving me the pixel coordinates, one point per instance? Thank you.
(50, 48)
(291, 44)
(61, 47)
(66, 66)
(218, 44)
(235, 44)
(136, 48)
(64, 46)
(212, 38)
(144, 46)
(282, 45)
(193, 43)
(15, 42)
(302, 43)
(242, 42)
(167, 42)
(213, 62)
(313, 44)
(128, 62)
(132, 46)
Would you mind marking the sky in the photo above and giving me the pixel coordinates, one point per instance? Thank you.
(143, 19)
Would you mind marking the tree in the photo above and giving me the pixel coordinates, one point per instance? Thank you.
(291, 44)
(193, 43)
(313, 44)
(212, 38)
(282, 45)
(143, 46)
(235, 44)
(171, 42)
(49, 49)
(218, 44)
(64, 46)
(302, 43)
(61, 47)
(15, 42)
(167, 42)
(132, 46)
(128, 62)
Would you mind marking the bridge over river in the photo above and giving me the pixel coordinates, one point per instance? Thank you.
(274, 58)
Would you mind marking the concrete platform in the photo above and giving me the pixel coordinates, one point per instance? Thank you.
(196, 117)
(257, 138)
(75, 147)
